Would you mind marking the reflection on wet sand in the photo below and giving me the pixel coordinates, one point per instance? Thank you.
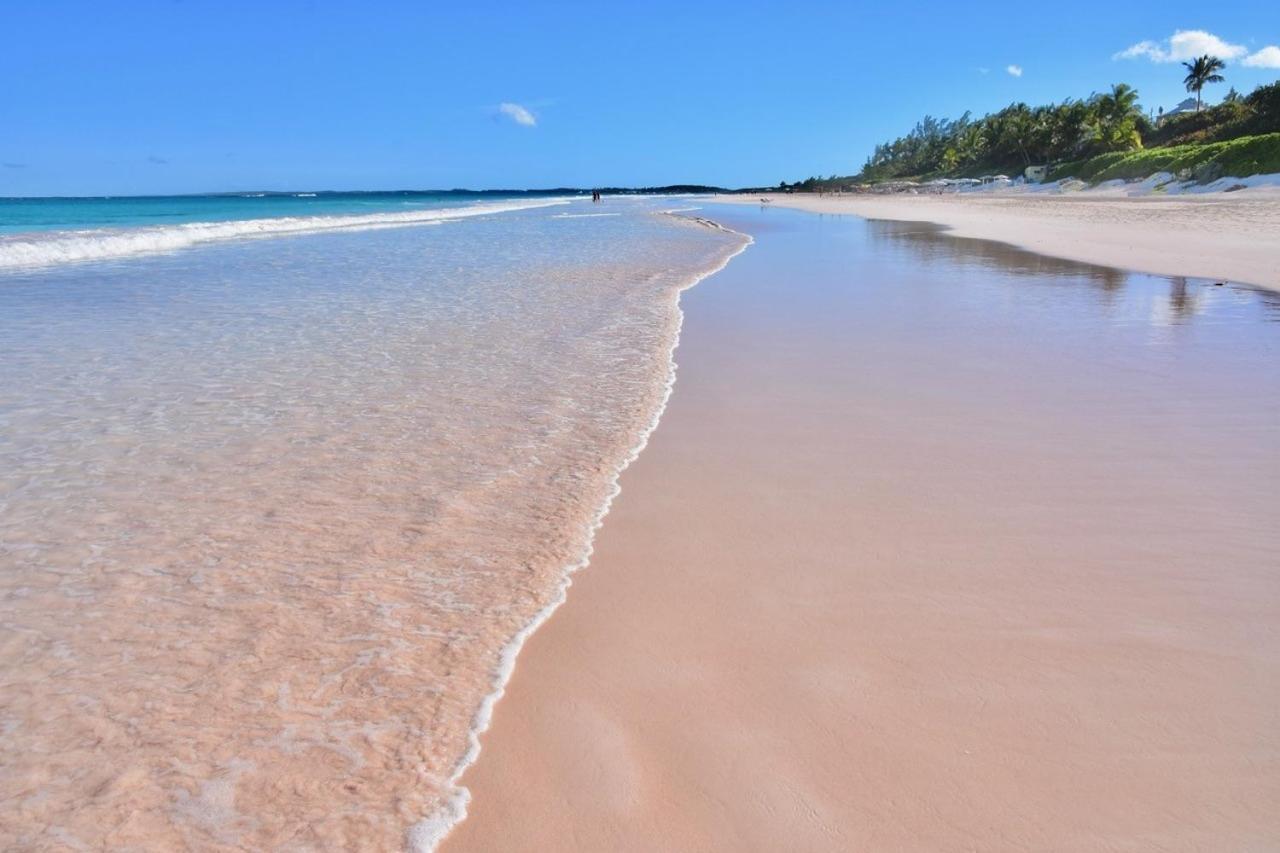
(935, 549)
(931, 245)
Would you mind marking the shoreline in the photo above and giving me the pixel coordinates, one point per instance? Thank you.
(1225, 236)
(838, 609)
(427, 834)
(416, 474)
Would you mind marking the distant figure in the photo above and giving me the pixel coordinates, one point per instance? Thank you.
(595, 195)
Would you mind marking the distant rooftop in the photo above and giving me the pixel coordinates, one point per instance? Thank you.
(1187, 106)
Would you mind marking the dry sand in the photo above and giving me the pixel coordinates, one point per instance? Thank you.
(1232, 236)
(901, 570)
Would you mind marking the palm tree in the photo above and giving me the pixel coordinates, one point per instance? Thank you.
(1113, 119)
(1202, 70)
(1122, 101)
(971, 143)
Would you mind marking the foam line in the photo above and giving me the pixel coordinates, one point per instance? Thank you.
(46, 249)
(427, 834)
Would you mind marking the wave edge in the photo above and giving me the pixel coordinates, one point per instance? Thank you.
(55, 248)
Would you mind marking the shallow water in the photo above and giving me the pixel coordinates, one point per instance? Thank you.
(30, 216)
(271, 511)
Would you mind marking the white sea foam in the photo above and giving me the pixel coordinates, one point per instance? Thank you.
(52, 248)
(427, 834)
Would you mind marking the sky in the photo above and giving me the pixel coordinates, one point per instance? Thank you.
(185, 96)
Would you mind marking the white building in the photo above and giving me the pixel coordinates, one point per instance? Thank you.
(1187, 106)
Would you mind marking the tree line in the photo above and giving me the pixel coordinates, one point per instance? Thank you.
(1021, 135)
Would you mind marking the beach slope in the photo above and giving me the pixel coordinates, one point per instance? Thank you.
(897, 572)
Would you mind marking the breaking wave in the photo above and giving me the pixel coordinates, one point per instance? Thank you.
(46, 249)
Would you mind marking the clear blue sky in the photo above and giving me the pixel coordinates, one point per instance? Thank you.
(168, 97)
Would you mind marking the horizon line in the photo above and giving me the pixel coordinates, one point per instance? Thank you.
(456, 190)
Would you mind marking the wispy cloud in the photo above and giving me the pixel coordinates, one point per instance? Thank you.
(518, 114)
(157, 161)
(984, 70)
(1183, 44)
(1014, 70)
(14, 165)
(1268, 57)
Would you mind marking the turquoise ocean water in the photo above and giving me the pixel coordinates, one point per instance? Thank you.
(19, 215)
(44, 232)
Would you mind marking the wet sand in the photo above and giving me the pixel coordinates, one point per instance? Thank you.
(940, 545)
(1233, 236)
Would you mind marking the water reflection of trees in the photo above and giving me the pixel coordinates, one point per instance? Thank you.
(1183, 304)
(929, 243)
(1270, 305)
(932, 243)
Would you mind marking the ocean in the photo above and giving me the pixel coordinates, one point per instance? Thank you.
(285, 481)
(48, 231)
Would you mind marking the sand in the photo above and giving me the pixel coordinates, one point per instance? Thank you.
(1232, 236)
(932, 550)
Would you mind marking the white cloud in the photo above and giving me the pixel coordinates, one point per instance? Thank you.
(1015, 70)
(984, 70)
(1184, 44)
(518, 114)
(1268, 57)
(1142, 48)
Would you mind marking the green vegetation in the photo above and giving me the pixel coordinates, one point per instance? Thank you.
(1248, 155)
(1102, 137)
(1015, 137)
(1236, 116)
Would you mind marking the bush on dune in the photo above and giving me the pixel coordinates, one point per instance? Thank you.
(1104, 136)
(1255, 114)
(1249, 155)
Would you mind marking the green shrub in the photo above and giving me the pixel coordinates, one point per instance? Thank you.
(1086, 169)
(1211, 125)
(1250, 155)
(1240, 158)
(1264, 101)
